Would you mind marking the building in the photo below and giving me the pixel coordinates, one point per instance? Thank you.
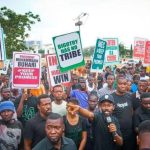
(34, 45)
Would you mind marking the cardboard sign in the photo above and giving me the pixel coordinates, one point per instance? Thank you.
(112, 51)
(147, 53)
(98, 56)
(139, 48)
(69, 51)
(2, 45)
(1, 64)
(5, 67)
(26, 70)
(54, 75)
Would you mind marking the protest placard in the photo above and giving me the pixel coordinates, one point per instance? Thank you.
(5, 67)
(1, 64)
(69, 51)
(139, 48)
(2, 45)
(98, 56)
(26, 70)
(112, 51)
(147, 53)
(54, 75)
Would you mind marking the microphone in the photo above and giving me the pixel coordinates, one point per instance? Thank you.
(109, 121)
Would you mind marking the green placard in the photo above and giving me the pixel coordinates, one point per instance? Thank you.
(68, 50)
(2, 45)
(98, 56)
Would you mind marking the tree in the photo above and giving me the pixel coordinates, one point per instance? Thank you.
(131, 51)
(122, 50)
(87, 52)
(15, 28)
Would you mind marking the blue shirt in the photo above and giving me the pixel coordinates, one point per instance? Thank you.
(81, 96)
(134, 88)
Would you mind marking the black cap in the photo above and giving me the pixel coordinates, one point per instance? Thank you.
(107, 97)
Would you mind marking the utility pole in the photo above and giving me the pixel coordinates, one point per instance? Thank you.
(79, 22)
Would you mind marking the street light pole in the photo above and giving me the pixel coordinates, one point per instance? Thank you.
(79, 22)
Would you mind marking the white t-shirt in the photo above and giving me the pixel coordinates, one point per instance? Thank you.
(60, 109)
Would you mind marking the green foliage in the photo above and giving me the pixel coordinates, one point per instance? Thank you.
(87, 52)
(131, 51)
(15, 28)
(122, 51)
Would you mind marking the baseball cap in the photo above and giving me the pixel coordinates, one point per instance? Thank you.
(7, 105)
(107, 97)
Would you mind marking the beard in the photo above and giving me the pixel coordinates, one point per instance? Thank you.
(106, 113)
(54, 140)
(48, 113)
(146, 110)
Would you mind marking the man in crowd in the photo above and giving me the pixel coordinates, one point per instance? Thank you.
(54, 135)
(142, 87)
(26, 106)
(74, 81)
(107, 133)
(143, 139)
(5, 94)
(109, 88)
(124, 112)
(93, 107)
(99, 81)
(142, 113)
(134, 86)
(90, 84)
(81, 94)
(129, 73)
(35, 127)
(107, 72)
(58, 105)
(93, 101)
(143, 75)
(10, 129)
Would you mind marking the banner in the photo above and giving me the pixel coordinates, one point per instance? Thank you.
(69, 51)
(147, 53)
(54, 75)
(139, 48)
(98, 56)
(26, 72)
(2, 45)
(112, 51)
(5, 67)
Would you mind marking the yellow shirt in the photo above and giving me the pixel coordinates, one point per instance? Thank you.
(148, 69)
(39, 91)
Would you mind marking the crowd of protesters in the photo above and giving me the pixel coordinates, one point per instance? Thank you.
(98, 111)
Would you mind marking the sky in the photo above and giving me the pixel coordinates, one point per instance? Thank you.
(123, 19)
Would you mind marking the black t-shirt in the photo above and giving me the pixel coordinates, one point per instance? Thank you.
(102, 137)
(74, 132)
(136, 101)
(100, 82)
(29, 109)
(124, 112)
(140, 115)
(35, 129)
(46, 144)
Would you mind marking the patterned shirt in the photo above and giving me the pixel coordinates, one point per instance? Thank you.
(105, 90)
